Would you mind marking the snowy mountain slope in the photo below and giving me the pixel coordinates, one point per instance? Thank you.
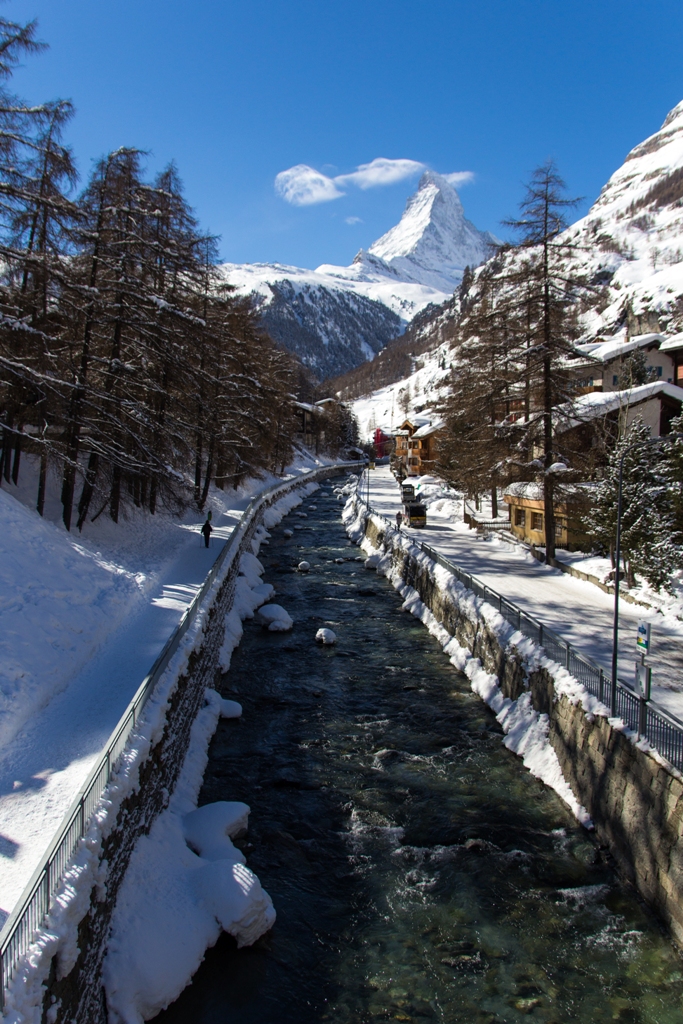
(330, 328)
(351, 327)
(418, 394)
(361, 306)
(632, 238)
(629, 247)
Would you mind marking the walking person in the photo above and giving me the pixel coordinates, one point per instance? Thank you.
(207, 530)
(399, 520)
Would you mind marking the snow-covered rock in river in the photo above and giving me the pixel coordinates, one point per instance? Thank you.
(274, 618)
(326, 636)
(304, 566)
(230, 708)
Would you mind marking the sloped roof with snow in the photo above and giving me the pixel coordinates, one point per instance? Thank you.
(611, 348)
(429, 428)
(600, 403)
(672, 344)
(533, 490)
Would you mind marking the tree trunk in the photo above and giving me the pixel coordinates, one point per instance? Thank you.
(42, 481)
(7, 451)
(88, 488)
(115, 497)
(494, 502)
(198, 470)
(17, 455)
(548, 506)
(207, 477)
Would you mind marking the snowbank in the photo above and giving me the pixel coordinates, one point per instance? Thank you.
(58, 600)
(247, 598)
(174, 901)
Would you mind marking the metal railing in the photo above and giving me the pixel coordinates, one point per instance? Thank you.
(32, 908)
(647, 718)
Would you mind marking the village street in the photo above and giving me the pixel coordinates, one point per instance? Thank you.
(577, 610)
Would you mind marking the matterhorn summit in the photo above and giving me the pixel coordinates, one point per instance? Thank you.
(433, 242)
(336, 317)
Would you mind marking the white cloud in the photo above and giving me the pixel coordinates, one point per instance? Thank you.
(459, 177)
(380, 172)
(303, 186)
(353, 220)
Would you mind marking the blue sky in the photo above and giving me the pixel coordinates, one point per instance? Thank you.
(238, 91)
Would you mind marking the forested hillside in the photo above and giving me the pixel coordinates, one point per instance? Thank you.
(397, 361)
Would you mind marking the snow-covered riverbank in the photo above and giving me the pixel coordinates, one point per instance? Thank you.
(84, 618)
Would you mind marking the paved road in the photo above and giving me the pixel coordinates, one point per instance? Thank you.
(577, 610)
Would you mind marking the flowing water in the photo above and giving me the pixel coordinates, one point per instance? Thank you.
(419, 872)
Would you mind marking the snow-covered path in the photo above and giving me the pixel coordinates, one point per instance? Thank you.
(579, 611)
(43, 767)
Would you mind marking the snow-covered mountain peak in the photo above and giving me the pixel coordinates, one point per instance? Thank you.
(433, 242)
(335, 317)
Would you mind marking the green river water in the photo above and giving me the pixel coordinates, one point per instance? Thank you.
(419, 872)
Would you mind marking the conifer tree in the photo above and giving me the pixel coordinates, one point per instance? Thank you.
(473, 445)
(547, 294)
(650, 540)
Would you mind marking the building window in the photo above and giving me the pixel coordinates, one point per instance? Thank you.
(660, 370)
(559, 528)
(615, 379)
(520, 517)
(536, 520)
(413, 462)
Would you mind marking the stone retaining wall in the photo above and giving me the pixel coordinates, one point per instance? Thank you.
(635, 802)
(78, 998)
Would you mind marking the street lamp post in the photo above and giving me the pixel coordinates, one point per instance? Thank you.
(617, 573)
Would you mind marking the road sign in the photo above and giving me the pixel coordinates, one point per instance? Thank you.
(643, 679)
(643, 637)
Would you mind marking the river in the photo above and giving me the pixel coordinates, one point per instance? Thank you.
(419, 872)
